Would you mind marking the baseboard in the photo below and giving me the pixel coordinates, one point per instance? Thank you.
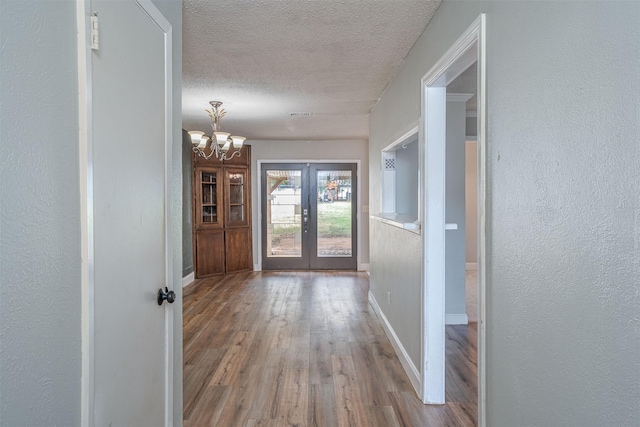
(188, 279)
(257, 267)
(471, 266)
(364, 267)
(456, 319)
(403, 356)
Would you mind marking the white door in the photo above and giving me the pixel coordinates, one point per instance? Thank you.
(130, 113)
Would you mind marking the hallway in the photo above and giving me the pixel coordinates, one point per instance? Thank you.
(306, 349)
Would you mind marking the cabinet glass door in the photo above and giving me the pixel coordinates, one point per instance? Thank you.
(236, 184)
(208, 209)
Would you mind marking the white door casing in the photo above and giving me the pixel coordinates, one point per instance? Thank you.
(469, 48)
(126, 138)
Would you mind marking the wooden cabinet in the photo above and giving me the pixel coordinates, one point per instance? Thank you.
(222, 215)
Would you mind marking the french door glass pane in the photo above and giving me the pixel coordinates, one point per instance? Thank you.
(284, 219)
(334, 213)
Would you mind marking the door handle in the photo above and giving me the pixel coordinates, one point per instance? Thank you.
(168, 295)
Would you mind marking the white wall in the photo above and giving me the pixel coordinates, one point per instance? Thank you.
(563, 215)
(471, 201)
(40, 353)
(455, 240)
(407, 179)
(312, 151)
(395, 282)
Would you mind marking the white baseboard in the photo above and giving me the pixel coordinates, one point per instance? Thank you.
(188, 279)
(405, 360)
(471, 266)
(364, 267)
(257, 267)
(456, 319)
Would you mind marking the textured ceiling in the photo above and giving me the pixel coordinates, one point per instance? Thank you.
(266, 59)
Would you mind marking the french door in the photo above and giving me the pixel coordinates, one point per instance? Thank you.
(309, 216)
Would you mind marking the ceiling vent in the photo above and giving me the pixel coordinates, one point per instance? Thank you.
(301, 114)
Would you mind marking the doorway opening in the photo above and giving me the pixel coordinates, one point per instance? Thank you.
(308, 219)
(437, 270)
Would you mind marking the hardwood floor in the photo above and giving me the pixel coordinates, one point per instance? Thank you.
(305, 349)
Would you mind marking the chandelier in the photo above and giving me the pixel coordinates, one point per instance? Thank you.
(223, 141)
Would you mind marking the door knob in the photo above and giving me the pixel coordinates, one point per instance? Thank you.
(168, 295)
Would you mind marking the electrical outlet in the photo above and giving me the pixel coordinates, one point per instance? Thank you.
(365, 208)
(389, 298)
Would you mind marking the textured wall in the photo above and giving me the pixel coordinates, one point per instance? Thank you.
(407, 179)
(472, 126)
(40, 307)
(563, 220)
(471, 201)
(39, 213)
(394, 271)
(455, 240)
(313, 150)
(187, 206)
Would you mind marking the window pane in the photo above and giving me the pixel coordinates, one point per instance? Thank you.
(284, 219)
(334, 213)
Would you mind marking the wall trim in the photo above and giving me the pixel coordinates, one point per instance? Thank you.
(471, 266)
(188, 279)
(459, 97)
(408, 366)
(257, 267)
(85, 155)
(456, 319)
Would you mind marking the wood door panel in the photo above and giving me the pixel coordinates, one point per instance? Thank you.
(238, 249)
(209, 253)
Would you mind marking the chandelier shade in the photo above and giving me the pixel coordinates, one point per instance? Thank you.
(221, 142)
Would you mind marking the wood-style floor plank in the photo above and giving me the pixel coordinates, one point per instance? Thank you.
(281, 349)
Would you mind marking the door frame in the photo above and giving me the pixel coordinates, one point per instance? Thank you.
(470, 47)
(258, 195)
(85, 141)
